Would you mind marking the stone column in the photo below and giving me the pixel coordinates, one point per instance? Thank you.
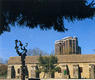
(92, 71)
(9, 72)
(76, 71)
(20, 72)
(33, 73)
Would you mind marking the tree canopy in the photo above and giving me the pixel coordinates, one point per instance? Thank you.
(45, 13)
(3, 70)
(36, 52)
(48, 65)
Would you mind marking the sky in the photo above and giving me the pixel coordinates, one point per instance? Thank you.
(45, 40)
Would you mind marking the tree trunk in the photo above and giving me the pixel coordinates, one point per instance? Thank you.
(23, 68)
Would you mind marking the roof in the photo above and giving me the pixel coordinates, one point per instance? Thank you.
(64, 39)
(61, 59)
(77, 58)
(17, 60)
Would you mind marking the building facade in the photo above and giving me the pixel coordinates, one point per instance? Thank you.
(68, 45)
(72, 66)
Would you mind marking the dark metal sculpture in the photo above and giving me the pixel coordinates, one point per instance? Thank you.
(21, 51)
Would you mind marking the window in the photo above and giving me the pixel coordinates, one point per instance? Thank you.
(18, 71)
(80, 69)
(12, 72)
(70, 43)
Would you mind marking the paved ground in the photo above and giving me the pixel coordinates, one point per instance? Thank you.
(35, 79)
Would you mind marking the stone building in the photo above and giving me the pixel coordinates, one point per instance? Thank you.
(73, 65)
(68, 45)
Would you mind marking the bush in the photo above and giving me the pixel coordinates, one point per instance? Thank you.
(3, 70)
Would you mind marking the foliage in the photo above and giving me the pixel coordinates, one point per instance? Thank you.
(3, 70)
(36, 52)
(48, 64)
(45, 13)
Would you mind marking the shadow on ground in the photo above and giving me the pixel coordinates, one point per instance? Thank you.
(33, 79)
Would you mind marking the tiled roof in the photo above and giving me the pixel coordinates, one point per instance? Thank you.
(61, 59)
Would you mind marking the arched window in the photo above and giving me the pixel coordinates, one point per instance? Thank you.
(12, 72)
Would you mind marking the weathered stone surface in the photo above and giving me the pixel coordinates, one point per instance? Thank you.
(67, 46)
(83, 62)
(89, 58)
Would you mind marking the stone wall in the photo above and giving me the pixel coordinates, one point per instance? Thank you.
(76, 66)
(68, 70)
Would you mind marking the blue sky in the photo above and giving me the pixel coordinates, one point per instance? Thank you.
(36, 38)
